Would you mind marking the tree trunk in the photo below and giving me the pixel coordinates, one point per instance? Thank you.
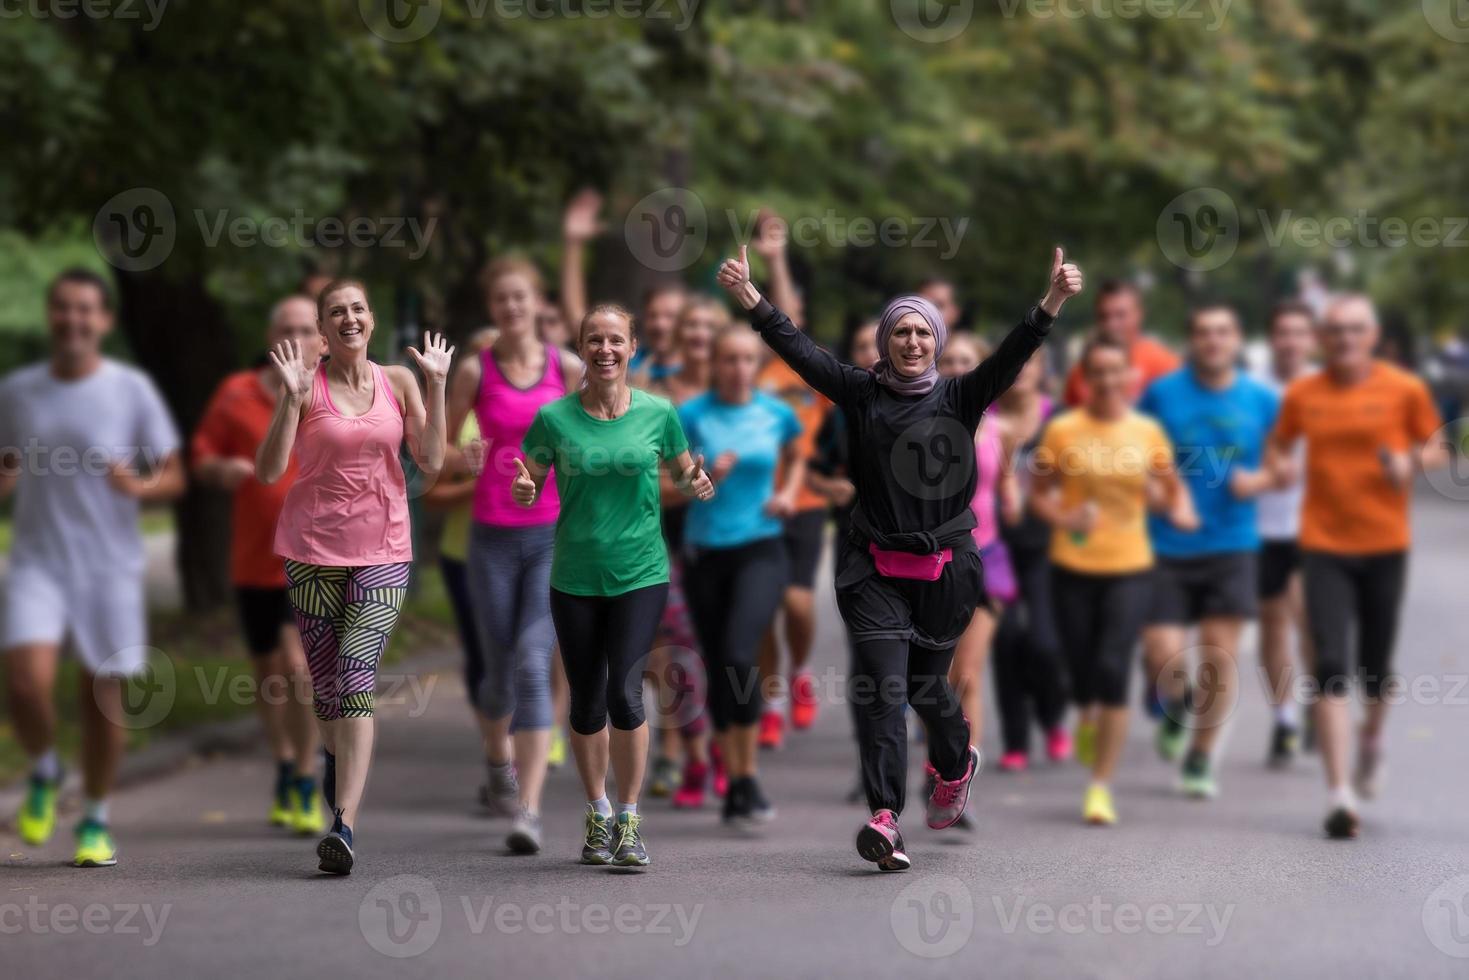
(180, 336)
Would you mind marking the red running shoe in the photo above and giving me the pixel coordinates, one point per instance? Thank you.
(1014, 762)
(690, 793)
(772, 730)
(803, 701)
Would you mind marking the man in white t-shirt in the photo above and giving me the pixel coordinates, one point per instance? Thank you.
(1292, 343)
(84, 442)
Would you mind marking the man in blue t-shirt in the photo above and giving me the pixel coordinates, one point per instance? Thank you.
(1218, 419)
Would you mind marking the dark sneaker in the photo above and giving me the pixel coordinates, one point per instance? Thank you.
(501, 793)
(1285, 741)
(758, 809)
(736, 804)
(949, 797)
(880, 842)
(525, 833)
(597, 847)
(335, 849)
(1197, 777)
(1342, 824)
(628, 851)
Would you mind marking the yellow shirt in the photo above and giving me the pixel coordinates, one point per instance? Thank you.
(454, 538)
(1106, 463)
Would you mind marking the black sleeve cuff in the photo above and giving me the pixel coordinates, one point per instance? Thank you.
(764, 313)
(1039, 320)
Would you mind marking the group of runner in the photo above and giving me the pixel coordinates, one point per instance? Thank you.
(633, 499)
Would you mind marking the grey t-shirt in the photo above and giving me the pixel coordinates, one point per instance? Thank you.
(68, 434)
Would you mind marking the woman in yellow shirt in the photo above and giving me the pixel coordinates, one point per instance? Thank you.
(1099, 469)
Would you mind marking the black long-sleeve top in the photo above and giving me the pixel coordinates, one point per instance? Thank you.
(911, 456)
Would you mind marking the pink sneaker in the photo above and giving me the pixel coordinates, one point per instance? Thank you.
(880, 842)
(1058, 745)
(1014, 762)
(690, 794)
(721, 777)
(950, 797)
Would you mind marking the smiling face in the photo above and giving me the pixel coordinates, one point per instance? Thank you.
(346, 321)
(78, 318)
(911, 346)
(1214, 339)
(606, 346)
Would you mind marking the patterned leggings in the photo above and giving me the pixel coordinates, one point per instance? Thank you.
(345, 616)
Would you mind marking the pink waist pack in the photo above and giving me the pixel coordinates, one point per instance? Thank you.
(903, 564)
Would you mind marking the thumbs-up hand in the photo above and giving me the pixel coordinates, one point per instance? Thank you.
(695, 481)
(523, 488)
(734, 276)
(1065, 282)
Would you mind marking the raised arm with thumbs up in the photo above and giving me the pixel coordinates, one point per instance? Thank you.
(1065, 282)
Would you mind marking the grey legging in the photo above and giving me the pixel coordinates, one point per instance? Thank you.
(510, 592)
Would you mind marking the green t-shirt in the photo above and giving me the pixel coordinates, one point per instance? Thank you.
(609, 537)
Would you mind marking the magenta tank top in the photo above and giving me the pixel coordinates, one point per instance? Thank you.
(987, 452)
(505, 413)
(349, 504)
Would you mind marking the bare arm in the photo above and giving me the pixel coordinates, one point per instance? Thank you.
(274, 455)
(425, 426)
(579, 224)
(783, 503)
(166, 483)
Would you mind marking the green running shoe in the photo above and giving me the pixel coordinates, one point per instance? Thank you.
(629, 851)
(597, 848)
(95, 847)
(1172, 737)
(1197, 778)
(36, 820)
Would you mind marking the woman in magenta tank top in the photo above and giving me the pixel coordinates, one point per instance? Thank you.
(510, 547)
(344, 529)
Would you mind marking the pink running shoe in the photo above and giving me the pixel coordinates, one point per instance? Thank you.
(1014, 762)
(1058, 744)
(721, 777)
(804, 704)
(690, 794)
(880, 841)
(950, 797)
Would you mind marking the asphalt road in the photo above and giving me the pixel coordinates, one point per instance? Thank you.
(1245, 885)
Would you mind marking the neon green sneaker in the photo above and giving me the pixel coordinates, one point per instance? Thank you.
(1097, 808)
(306, 816)
(1085, 744)
(95, 847)
(36, 820)
(1196, 780)
(556, 757)
(1172, 739)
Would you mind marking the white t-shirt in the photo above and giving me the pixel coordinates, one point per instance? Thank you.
(1278, 512)
(68, 518)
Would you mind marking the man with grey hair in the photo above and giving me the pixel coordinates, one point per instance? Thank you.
(224, 445)
(1367, 426)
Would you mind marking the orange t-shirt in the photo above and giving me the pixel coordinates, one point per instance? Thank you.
(234, 426)
(1351, 507)
(779, 379)
(1150, 361)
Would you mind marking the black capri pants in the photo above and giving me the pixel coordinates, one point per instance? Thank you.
(1342, 591)
(1099, 618)
(605, 641)
(733, 594)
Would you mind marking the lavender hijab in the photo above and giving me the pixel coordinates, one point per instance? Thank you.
(887, 375)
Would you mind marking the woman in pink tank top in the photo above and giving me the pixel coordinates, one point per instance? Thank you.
(344, 528)
(508, 569)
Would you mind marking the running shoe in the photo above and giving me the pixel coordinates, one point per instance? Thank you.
(629, 851)
(501, 793)
(596, 848)
(335, 850)
(772, 730)
(664, 778)
(1058, 744)
(283, 804)
(1368, 778)
(1014, 762)
(1172, 738)
(1197, 776)
(736, 803)
(880, 842)
(1153, 702)
(306, 816)
(721, 775)
(949, 797)
(803, 701)
(525, 833)
(1086, 743)
(1097, 808)
(758, 809)
(1284, 741)
(36, 820)
(95, 847)
(690, 793)
(556, 756)
(1342, 824)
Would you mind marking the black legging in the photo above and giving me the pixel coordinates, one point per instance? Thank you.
(733, 594)
(1343, 590)
(1029, 666)
(1099, 618)
(605, 642)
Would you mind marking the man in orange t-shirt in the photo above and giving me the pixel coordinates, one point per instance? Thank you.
(223, 450)
(1367, 427)
(1119, 313)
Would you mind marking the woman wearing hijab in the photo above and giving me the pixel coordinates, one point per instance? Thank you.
(911, 576)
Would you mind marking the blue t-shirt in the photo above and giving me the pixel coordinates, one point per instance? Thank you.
(1212, 433)
(755, 432)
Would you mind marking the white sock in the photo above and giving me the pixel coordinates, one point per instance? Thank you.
(95, 811)
(602, 806)
(48, 766)
(627, 808)
(1343, 797)
(1285, 713)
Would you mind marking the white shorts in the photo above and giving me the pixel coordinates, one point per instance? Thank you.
(105, 619)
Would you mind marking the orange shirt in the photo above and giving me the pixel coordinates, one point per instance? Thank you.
(1150, 361)
(1351, 507)
(779, 379)
(234, 426)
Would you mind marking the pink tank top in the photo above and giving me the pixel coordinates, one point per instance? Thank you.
(349, 505)
(505, 413)
(987, 455)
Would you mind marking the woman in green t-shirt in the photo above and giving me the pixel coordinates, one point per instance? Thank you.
(609, 570)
